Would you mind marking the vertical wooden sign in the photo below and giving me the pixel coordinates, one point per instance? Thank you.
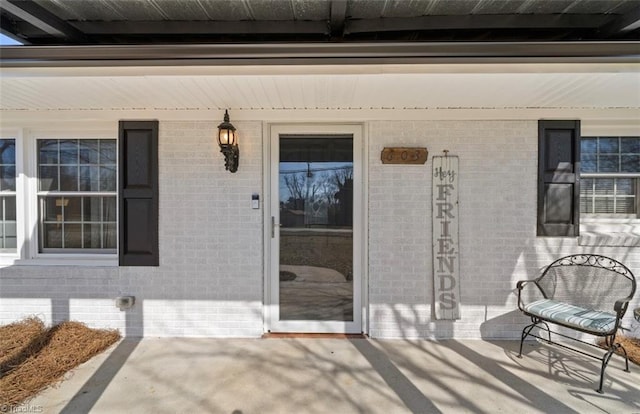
(446, 249)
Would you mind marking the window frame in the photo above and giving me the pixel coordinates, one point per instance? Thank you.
(32, 224)
(9, 256)
(613, 218)
(43, 195)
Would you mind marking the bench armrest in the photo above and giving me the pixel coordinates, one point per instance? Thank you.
(521, 284)
(621, 306)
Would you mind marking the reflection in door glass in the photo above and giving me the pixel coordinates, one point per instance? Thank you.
(316, 233)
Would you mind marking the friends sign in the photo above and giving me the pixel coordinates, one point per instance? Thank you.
(446, 251)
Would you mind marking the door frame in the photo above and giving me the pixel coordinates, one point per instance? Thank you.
(271, 133)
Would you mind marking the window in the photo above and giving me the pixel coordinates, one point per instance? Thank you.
(8, 235)
(610, 173)
(77, 195)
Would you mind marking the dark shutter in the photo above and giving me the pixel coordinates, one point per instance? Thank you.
(558, 178)
(138, 191)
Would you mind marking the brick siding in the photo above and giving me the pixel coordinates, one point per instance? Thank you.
(210, 279)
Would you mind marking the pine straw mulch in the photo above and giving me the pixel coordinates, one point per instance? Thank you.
(631, 345)
(33, 357)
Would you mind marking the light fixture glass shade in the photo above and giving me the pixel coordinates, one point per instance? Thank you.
(227, 136)
(227, 132)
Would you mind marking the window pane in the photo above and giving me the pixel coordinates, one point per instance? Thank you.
(69, 178)
(588, 163)
(608, 145)
(624, 186)
(603, 205)
(48, 179)
(85, 179)
(92, 236)
(9, 208)
(108, 151)
(52, 208)
(609, 163)
(91, 208)
(109, 240)
(109, 212)
(10, 242)
(73, 236)
(89, 151)
(10, 229)
(630, 163)
(604, 186)
(588, 146)
(107, 179)
(586, 186)
(625, 205)
(7, 151)
(8, 222)
(630, 145)
(9, 239)
(72, 209)
(69, 151)
(52, 236)
(586, 205)
(48, 151)
(8, 178)
(89, 178)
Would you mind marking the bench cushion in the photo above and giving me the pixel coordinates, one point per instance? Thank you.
(573, 316)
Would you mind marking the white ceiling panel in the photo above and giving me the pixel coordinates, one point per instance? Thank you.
(323, 91)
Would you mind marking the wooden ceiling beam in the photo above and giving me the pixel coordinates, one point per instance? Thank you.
(623, 24)
(338, 17)
(10, 29)
(37, 16)
(479, 21)
(204, 27)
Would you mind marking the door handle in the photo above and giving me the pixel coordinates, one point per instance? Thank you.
(273, 227)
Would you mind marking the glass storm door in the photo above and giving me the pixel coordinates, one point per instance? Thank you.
(315, 244)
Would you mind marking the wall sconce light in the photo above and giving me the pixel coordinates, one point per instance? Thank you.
(228, 141)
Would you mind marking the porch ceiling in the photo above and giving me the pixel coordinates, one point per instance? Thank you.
(344, 88)
(355, 59)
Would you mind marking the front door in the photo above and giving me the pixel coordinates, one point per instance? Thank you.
(316, 195)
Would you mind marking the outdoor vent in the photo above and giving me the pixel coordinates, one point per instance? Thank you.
(125, 302)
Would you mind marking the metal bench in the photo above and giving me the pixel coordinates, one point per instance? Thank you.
(585, 292)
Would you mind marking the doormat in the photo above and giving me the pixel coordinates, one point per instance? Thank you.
(281, 335)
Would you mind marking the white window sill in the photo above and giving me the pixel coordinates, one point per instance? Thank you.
(620, 233)
(69, 261)
(8, 260)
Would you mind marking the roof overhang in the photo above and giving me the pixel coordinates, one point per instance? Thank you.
(599, 82)
(320, 54)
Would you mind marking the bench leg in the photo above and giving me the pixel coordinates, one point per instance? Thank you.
(524, 335)
(527, 330)
(605, 362)
(613, 347)
(626, 358)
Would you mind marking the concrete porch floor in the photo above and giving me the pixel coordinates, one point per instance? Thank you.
(243, 376)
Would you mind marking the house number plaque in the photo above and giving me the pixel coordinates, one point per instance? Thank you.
(404, 155)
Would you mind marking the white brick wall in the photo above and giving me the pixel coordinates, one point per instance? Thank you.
(209, 282)
(498, 243)
(210, 278)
